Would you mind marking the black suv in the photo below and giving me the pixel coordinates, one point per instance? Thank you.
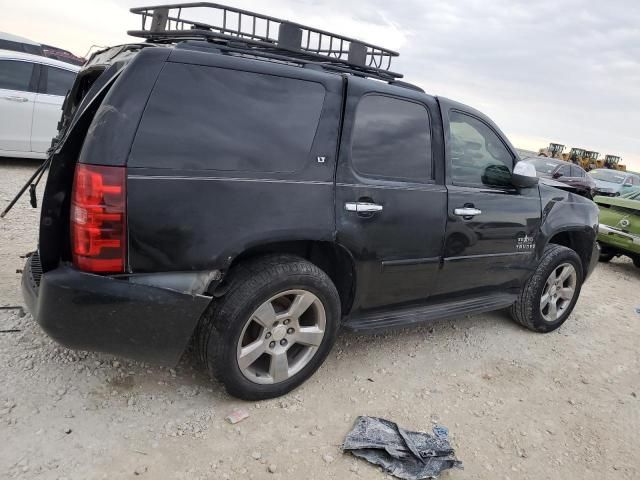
(251, 195)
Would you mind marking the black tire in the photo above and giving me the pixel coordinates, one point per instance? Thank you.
(251, 284)
(526, 310)
(636, 260)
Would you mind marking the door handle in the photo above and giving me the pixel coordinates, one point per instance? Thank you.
(16, 99)
(467, 212)
(362, 207)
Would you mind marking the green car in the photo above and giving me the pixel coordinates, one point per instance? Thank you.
(619, 232)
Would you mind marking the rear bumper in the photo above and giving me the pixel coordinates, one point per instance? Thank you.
(91, 312)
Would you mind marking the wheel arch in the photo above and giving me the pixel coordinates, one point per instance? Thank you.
(578, 240)
(332, 258)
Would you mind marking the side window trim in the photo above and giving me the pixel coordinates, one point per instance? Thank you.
(479, 186)
(44, 75)
(395, 180)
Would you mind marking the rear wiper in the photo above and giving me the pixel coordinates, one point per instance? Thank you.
(31, 184)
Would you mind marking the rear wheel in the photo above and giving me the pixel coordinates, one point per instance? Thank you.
(549, 296)
(272, 329)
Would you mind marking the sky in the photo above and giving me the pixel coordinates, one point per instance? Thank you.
(564, 71)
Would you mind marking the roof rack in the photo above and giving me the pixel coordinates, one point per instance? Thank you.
(259, 35)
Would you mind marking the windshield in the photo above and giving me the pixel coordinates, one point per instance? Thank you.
(607, 176)
(543, 165)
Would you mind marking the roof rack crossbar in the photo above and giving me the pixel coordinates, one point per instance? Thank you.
(165, 23)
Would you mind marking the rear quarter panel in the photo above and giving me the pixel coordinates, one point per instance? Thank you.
(186, 213)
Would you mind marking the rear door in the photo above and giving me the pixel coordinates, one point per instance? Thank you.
(18, 81)
(53, 86)
(491, 226)
(390, 197)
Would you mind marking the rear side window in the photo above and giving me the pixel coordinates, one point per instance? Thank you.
(15, 75)
(59, 81)
(207, 118)
(391, 139)
(576, 171)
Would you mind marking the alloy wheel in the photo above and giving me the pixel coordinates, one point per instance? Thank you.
(558, 292)
(281, 337)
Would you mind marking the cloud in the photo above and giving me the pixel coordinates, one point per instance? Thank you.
(566, 72)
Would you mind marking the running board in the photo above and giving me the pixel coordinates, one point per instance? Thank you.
(407, 317)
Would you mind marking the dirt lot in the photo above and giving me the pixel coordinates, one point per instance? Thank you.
(519, 405)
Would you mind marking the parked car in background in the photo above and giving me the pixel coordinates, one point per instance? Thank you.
(619, 232)
(32, 90)
(16, 43)
(569, 174)
(614, 183)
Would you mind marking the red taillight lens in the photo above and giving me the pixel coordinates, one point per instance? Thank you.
(98, 229)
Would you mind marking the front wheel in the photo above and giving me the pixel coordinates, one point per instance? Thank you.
(272, 329)
(549, 296)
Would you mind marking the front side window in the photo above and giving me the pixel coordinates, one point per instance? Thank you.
(391, 139)
(15, 75)
(59, 81)
(564, 171)
(478, 156)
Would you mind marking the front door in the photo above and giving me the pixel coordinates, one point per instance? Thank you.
(491, 226)
(390, 197)
(17, 94)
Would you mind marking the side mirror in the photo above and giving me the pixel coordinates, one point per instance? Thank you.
(524, 175)
(557, 175)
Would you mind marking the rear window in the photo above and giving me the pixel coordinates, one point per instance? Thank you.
(207, 118)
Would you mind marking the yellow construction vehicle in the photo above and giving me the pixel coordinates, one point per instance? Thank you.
(590, 160)
(613, 162)
(554, 150)
(575, 155)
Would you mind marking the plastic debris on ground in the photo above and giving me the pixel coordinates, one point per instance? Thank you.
(237, 415)
(402, 453)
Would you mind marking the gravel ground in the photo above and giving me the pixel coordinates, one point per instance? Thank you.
(519, 405)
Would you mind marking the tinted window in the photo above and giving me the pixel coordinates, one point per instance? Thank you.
(20, 47)
(211, 118)
(391, 138)
(15, 75)
(478, 156)
(564, 171)
(59, 81)
(576, 171)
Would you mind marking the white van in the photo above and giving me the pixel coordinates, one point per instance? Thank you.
(32, 89)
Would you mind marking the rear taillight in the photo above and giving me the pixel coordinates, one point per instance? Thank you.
(98, 228)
